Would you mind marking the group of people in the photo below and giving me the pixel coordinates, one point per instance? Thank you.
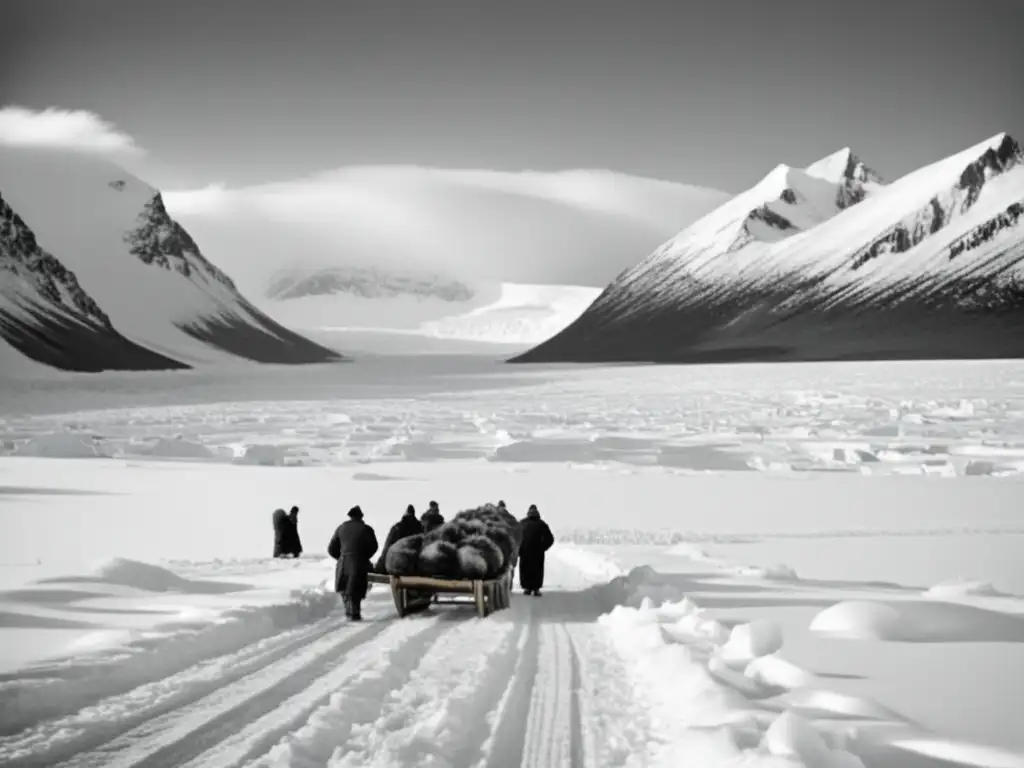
(354, 544)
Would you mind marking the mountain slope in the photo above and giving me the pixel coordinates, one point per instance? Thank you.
(929, 266)
(47, 316)
(573, 228)
(140, 266)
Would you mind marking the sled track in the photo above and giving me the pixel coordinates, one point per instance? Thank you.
(323, 716)
(174, 720)
(538, 722)
(439, 689)
(52, 740)
(176, 735)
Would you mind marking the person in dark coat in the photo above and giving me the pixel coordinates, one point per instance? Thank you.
(282, 534)
(537, 540)
(407, 526)
(293, 542)
(353, 545)
(432, 518)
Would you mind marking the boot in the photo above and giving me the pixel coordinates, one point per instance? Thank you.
(357, 613)
(348, 606)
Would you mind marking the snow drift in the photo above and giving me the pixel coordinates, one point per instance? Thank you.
(572, 228)
(477, 543)
(97, 275)
(828, 263)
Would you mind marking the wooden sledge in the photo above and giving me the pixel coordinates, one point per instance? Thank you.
(413, 594)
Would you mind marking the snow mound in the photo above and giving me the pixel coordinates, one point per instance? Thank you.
(591, 564)
(966, 588)
(263, 455)
(778, 572)
(62, 445)
(859, 620)
(178, 448)
(138, 575)
(793, 738)
(751, 641)
(924, 621)
(702, 710)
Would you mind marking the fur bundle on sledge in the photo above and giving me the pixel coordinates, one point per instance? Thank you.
(477, 543)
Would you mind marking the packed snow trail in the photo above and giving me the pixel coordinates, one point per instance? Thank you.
(443, 688)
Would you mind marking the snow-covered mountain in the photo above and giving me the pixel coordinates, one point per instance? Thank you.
(572, 228)
(96, 275)
(828, 263)
(44, 310)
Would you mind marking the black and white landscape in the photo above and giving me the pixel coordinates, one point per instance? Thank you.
(257, 256)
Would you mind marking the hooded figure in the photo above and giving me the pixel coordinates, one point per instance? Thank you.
(282, 533)
(352, 545)
(537, 540)
(432, 518)
(407, 526)
(293, 544)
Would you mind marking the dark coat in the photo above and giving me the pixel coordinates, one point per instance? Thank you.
(353, 545)
(295, 541)
(431, 519)
(537, 539)
(292, 542)
(407, 526)
(282, 533)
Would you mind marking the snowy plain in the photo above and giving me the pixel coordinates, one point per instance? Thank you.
(757, 565)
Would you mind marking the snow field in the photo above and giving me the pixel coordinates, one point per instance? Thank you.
(709, 652)
(939, 420)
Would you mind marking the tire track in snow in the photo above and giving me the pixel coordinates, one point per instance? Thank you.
(51, 741)
(577, 752)
(507, 744)
(618, 722)
(181, 734)
(442, 716)
(66, 686)
(311, 725)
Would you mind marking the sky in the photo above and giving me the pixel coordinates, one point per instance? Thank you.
(712, 93)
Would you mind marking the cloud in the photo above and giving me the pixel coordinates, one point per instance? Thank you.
(56, 128)
(578, 227)
(208, 199)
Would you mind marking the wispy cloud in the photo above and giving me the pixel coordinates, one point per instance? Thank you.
(573, 227)
(58, 128)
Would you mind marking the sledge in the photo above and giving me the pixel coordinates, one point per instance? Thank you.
(413, 594)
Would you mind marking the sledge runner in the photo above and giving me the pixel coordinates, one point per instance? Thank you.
(407, 526)
(432, 518)
(353, 545)
(537, 540)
